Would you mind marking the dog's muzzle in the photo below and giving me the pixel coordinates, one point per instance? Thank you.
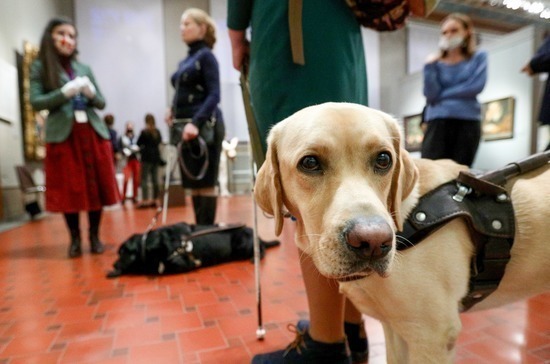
(370, 239)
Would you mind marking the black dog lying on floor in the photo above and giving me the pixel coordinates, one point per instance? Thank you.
(183, 247)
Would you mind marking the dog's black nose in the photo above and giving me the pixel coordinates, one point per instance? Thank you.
(369, 237)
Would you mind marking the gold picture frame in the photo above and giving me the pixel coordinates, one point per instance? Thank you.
(33, 122)
(413, 132)
(497, 119)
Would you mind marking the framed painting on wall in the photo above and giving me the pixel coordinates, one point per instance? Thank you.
(32, 121)
(413, 132)
(497, 119)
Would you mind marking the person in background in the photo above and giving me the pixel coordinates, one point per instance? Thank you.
(540, 63)
(130, 150)
(195, 103)
(148, 142)
(80, 175)
(109, 120)
(453, 77)
(329, 67)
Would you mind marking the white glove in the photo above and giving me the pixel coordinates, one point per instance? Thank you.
(72, 87)
(88, 88)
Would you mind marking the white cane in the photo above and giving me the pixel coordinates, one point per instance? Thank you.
(255, 151)
(167, 174)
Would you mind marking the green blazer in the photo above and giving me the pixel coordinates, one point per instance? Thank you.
(59, 123)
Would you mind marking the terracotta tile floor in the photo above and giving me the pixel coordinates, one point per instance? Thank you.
(56, 310)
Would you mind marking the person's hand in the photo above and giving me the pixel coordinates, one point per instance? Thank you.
(527, 69)
(72, 87)
(240, 48)
(168, 117)
(190, 132)
(87, 88)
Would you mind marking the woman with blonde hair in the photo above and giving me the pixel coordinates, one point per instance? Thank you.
(453, 77)
(195, 106)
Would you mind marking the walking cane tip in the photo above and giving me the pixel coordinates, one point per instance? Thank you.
(260, 333)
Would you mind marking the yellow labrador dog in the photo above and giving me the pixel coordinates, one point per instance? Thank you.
(339, 169)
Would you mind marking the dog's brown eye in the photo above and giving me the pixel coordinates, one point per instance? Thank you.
(383, 162)
(310, 164)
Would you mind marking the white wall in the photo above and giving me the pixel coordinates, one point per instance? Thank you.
(123, 43)
(506, 56)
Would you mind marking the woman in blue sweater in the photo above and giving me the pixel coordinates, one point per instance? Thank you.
(452, 80)
(195, 103)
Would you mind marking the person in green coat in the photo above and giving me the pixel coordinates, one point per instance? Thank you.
(294, 62)
(79, 169)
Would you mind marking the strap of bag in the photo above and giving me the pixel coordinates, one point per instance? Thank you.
(295, 29)
(203, 153)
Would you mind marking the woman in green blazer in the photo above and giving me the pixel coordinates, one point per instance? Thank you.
(80, 174)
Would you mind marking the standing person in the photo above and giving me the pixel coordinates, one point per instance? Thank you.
(131, 170)
(330, 66)
(109, 120)
(453, 78)
(195, 103)
(76, 137)
(538, 64)
(148, 142)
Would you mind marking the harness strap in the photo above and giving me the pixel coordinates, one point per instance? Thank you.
(488, 210)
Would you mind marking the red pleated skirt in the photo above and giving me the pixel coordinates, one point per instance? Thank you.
(80, 174)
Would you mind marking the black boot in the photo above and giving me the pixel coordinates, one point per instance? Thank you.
(96, 245)
(94, 217)
(75, 249)
(358, 342)
(208, 213)
(205, 209)
(197, 207)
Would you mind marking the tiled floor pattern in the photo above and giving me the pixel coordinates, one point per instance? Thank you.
(56, 310)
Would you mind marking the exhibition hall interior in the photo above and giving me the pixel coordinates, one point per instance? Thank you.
(56, 309)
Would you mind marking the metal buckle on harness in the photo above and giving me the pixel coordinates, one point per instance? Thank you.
(462, 192)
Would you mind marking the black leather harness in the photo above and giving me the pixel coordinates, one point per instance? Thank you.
(488, 210)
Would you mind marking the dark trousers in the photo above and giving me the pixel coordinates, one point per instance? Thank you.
(149, 171)
(454, 139)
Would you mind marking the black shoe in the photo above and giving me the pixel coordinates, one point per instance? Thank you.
(306, 350)
(358, 342)
(75, 249)
(96, 245)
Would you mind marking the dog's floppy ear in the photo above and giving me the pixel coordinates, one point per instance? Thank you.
(404, 178)
(268, 190)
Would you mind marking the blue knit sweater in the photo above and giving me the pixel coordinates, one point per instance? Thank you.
(451, 90)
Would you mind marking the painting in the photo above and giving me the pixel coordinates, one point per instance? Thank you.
(497, 119)
(413, 132)
(32, 121)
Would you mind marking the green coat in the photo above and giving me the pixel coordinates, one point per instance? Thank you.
(59, 123)
(334, 70)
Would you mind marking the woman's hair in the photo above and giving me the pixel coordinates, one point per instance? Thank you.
(469, 45)
(149, 119)
(49, 56)
(150, 125)
(202, 18)
(109, 119)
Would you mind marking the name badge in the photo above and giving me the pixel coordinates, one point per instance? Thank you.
(80, 116)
